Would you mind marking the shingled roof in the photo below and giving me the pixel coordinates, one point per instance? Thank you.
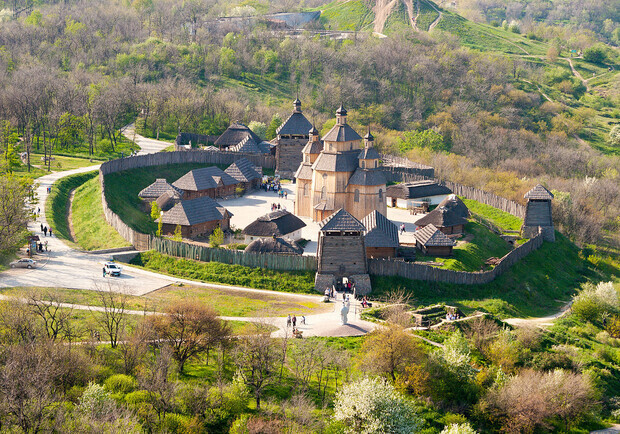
(341, 133)
(203, 179)
(313, 147)
(296, 124)
(539, 193)
(243, 170)
(340, 162)
(430, 236)
(168, 199)
(368, 153)
(417, 189)
(304, 171)
(274, 245)
(194, 211)
(277, 223)
(442, 217)
(367, 177)
(380, 231)
(251, 146)
(341, 220)
(455, 204)
(234, 134)
(156, 189)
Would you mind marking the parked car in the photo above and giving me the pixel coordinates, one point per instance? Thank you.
(23, 263)
(111, 269)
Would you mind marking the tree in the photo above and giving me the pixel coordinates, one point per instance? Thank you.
(178, 235)
(595, 54)
(257, 358)
(388, 350)
(190, 329)
(259, 128)
(421, 139)
(276, 121)
(49, 308)
(155, 379)
(112, 317)
(155, 211)
(614, 136)
(595, 302)
(216, 239)
(372, 405)
(14, 213)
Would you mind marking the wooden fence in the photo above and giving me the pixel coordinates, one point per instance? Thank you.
(416, 271)
(180, 157)
(269, 261)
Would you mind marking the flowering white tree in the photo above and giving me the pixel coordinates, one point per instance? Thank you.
(372, 405)
(456, 356)
(595, 301)
(459, 428)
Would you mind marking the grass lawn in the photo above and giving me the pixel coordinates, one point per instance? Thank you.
(538, 285)
(351, 15)
(499, 218)
(227, 274)
(92, 232)
(62, 163)
(427, 15)
(471, 255)
(56, 204)
(224, 302)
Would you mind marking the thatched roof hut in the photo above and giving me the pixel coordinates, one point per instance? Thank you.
(456, 205)
(446, 219)
(274, 245)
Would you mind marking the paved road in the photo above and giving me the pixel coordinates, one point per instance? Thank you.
(147, 146)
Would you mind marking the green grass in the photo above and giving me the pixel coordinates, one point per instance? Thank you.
(62, 163)
(92, 231)
(227, 274)
(471, 256)
(352, 15)
(427, 15)
(122, 190)
(536, 286)
(398, 20)
(499, 218)
(57, 200)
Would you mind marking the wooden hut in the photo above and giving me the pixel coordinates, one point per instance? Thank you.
(169, 199)
(156, 189)
(538, 214)
(245, 173)
(401, 195)
(251, 146)
(380, 237)
(197, 217)
(274, 245)
(447, 220)
(456, 205)
(291, 137)
(234, 135)
(431, 241)
(279, 223)
(207, 181)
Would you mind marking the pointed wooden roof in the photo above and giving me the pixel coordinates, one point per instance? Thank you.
(430, 236)
(156, 189)
(380, 231)
(194, 211)
(341, 220)
(243, 170)
(455, 204)
(442, 217)
(277, 223)
(539, 193)
(203, 179)
(234, 134)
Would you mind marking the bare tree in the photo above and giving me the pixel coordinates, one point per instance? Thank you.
(134, 346)
(49, 308)
(257, 357)
(14, 214)
(112, 315)
(155, 379)
(17, 322)
(398, 306)
(190, 328)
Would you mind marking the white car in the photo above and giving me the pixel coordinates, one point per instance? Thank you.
(23, 263)
(111, 269)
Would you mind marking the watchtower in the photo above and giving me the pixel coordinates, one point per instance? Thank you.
(341, 253)
(538, 214)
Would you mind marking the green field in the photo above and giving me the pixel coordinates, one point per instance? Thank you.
(92, 232)
(352, 15)
(503, 220)
(427, 15)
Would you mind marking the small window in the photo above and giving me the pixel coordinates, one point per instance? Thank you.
(381, 194)
(376, 163)
(323, 193)
(306, 190)
(363, 164)
(356, 198)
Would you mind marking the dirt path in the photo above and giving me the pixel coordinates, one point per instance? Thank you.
(383, 9)
(70, 215)
(542, 321)
(434, 23)
(576, 73)
(412, 19)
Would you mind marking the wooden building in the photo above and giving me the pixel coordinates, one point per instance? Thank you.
(380, 237)
(341, 176)
(207, 181)
(447, 220)
(245, 173)
(274, 245)
(234, 135)
(197, 217)
(402, 195)
(169, 199)
(456, 205)
(291, 137)
(538, 214)
(279, 223)
(341, 252)
(156, 189)
(432, 242)
(250, 146)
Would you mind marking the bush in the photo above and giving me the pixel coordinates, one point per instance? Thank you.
(137, 397)
(595, 302)
(595, 54)
(120, 384)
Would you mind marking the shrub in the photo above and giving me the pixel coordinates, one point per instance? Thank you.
(595, 302)
(137, 397)
(458, 428)
(216, 238)
(120, 383)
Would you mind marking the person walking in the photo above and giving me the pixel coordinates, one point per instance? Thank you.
(45, 230)
(285, 195)
(50, 232)
(41, 227)
(294, 321)
(303, 320)
(46, 245)
(288, 321)
(103, 271)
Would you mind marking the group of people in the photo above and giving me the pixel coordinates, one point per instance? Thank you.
(276, 207)
(45, 230)
(452, 316)
(365, 303)
(293, 321)
(41, 245)
(271, 186)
